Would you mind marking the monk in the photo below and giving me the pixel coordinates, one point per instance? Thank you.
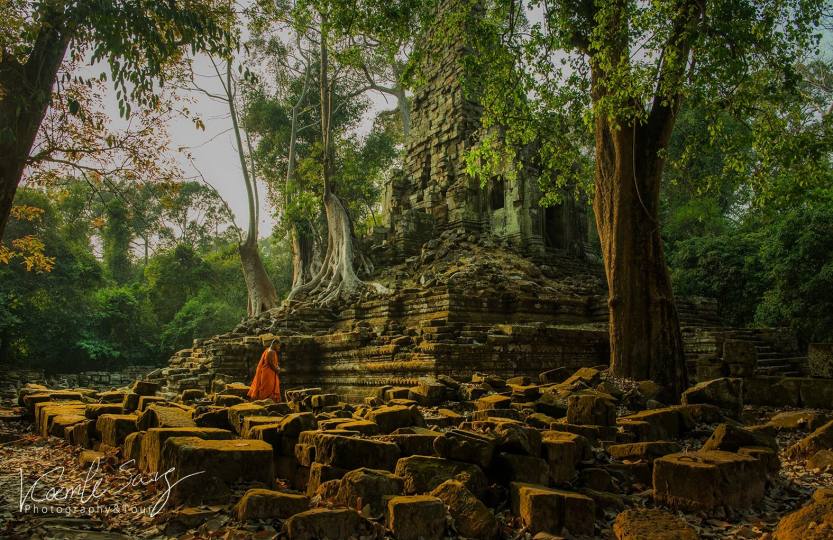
(267, 382)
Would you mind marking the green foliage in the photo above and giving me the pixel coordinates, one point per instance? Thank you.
(78, 317)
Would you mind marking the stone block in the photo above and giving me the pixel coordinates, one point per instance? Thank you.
(320, 523)
(146, 401)
(113, 428)
(820, 439)
(510, 468)
(730, 438)
(145, 388)
(543, 509)
(205, 469)
(391, 418)
(320, 473)
(645, 451)
(652, 524)
(564, 451)
(161, 415)
(812, 522)
(466, 446)
(370, 488)
(726, 393)
(416, 517)
(153, 441)
(353, 453)
(493, 401)
(267, 504)
(707, 480)
(423, 473)
(236, 413)
(94, 410)
(132, 450)
(591, 408)
(472, 518)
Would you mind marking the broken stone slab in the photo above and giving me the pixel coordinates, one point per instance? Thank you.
(145, 388)
(798, 420)
(61, 422)
(212, 416)
(153, 441)
(47, 411)
(320, 473)
(250, 422)
(812, 522)
(292, 425)
(320, 523)
(205, 469)
(543, 509)
(94, 410)
(227, 400)
(393, 417)
(564, 451)
(466, 446)
(236, 413)
(647, 451)
(260, 503)
(113, 428)
(820, 439)
(726, 393)
(369, 488)
(162, 415)
(424, 473)
(146, 401)
(362, 427)
(81, 434)
(353, 453)
(706, 480)
(591, 408)
(493, 401)
(416, 517)
(132, 450)
(730, 438)
(652, 524)
(471, 517)
(237, 389)
(526, 469)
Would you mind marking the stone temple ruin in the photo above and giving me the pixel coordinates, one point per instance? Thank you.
(484, 279)
(468, 395)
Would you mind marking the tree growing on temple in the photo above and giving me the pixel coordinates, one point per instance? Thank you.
(619, 70)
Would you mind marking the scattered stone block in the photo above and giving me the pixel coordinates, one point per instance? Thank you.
(320, 473)
(146, 401)
(466, 446)
(798, 420)
(707, 480)
(320, 523)
(353, 453)
(813, 522)
(726, 393)
(215, 466)
(423, 473)
(564, 451)
(510, 468)
(113, 428)
(416, 517)
(594, 409)
(216, 417)
(267, 504)
(145, 388)
(94, 410)
(163, 415)
(236, 413)
(472, 518)
(730, 438)
(652, 524)
(132, 450)
(647, 451)
(153, 441)
(493, 401)
(820, 439)
(543, 509)
(393, 417)
(369, 488)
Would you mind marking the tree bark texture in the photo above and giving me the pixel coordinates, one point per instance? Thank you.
(261, 291)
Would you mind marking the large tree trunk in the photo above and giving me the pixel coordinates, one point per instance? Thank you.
(25, 93)
(645, 340)
(302, 256)
(262, 294)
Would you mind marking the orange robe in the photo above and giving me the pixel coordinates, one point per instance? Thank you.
(266, 383)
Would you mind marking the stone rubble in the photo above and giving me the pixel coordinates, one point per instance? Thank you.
(393, 466)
